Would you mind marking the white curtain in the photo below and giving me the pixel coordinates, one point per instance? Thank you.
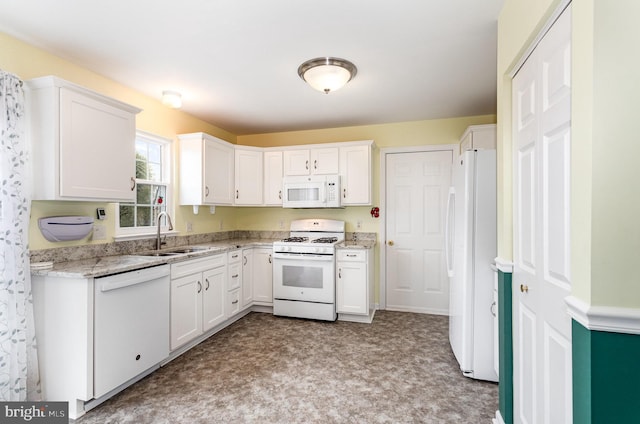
(19, 377)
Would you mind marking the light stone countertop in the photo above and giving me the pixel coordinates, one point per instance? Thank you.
(108, 265)
(357, 244)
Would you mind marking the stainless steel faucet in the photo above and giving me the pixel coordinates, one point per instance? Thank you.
(160, 215)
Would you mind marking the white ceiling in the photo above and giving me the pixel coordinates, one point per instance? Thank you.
(235, 61)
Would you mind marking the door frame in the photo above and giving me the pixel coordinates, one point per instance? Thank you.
(453, 148)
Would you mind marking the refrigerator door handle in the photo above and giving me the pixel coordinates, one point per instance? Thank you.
(449, 231)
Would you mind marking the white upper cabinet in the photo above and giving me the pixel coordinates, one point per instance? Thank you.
(478, 137)
(317, 161)
(273, 178)
(83, 143)
(248, 176)
(206, 170)
(355, 172)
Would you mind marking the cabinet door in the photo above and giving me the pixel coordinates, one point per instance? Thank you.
(248, 177)
(355, 170)
(351, 288)
(219, 160)
(97, 149)
(296, 162)
(262, 276)
(186, 309)
(273, 178)
(213, 297)
(324, 161)
(247, 277)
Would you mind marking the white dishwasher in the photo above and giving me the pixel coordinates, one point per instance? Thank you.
(131, 325)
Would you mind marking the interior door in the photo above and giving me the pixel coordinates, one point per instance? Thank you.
(417, 187)
(541, 277)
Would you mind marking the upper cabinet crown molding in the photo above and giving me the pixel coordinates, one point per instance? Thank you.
(83, 142)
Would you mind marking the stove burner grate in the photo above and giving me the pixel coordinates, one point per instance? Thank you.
(325, 240)
(295, 239)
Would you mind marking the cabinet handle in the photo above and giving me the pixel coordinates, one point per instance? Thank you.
(206, 191)
(234, 256)
(133, 183)
(245, 260)
(207, 287)
(235, 276)
(306, 165)
(493, 308)
(339, 272)
(315, 164)
(234, 302)
(199, 286)
(280, 194)
(351, 256)
(269, 257)
(344, 193)
(237, 194)
(138, 357)
(524, 288)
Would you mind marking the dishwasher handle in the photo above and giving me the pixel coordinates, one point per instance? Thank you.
(119, 281)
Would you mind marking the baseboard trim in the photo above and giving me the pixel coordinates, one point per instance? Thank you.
(498, 419)
(504, 265)
(604, 318)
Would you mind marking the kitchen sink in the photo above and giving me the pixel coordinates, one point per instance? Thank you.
(174, 252)
(158, 254)
(189, 249)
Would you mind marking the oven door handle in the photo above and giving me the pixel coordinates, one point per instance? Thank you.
(306, 257)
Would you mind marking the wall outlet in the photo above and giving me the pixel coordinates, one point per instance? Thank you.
(359, 225)
(189, 227)
(99, 232)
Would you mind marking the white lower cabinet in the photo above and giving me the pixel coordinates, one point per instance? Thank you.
(197, 297)
(354, 285)
(262, 276)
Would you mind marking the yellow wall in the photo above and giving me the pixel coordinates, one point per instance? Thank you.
(615, 150)
(605, 201)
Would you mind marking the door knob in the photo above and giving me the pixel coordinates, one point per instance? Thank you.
(390, 242)
(524, 288)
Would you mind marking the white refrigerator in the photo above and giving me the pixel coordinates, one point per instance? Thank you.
(470, 252)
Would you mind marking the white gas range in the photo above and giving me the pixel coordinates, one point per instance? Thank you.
(304, 270)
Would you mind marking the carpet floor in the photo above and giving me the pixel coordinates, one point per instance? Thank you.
(266, 369)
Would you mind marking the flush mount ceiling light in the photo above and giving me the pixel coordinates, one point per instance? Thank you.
(327, 74)
(172, 99)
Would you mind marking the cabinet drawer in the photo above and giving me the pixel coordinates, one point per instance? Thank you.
(233, 303)
(352, 255)
(235, 276)
(234, 256)
(180, 269)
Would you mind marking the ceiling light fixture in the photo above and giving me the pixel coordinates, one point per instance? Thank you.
(327, 74)
(172, 99)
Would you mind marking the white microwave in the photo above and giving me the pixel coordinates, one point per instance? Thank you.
(313, 191)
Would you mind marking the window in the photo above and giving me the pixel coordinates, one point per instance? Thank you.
(153, 187)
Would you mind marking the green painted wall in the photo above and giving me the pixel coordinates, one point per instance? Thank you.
(606, 376)
(505, 347)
